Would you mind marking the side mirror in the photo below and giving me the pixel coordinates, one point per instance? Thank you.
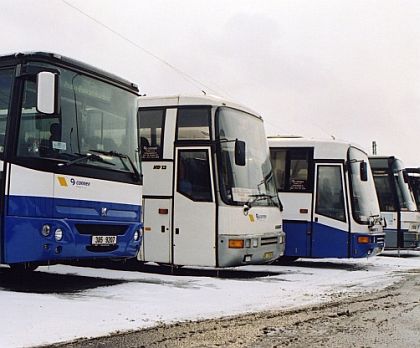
(363, 171)
(46, 88)
(240, 152)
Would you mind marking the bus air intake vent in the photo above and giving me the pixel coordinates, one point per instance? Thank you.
(101, 248)
(269, 240)
(101, 229)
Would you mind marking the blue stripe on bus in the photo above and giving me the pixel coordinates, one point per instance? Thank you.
(71, 208)
(325, 241)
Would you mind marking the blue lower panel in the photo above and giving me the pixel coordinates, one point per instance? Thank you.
(324, 241)
(23, 241)
(297, 238)
(329, 242)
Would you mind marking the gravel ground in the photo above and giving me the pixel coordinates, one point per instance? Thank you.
(387, 318)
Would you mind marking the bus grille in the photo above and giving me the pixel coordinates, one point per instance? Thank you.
(269, 240)
(101, 230)
(380, 239)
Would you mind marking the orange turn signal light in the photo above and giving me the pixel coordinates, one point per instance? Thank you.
(363, 240)
(163, 211)
(236, 243)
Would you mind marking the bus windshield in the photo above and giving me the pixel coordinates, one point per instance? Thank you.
(364, 201)
(96, 121)
(404, 193)
(253, 182)
(414, 180)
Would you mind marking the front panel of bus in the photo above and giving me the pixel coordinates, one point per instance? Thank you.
(397, 203)
(71, 177)
(249, 217)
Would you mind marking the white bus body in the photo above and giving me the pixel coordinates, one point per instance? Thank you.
(194, 191)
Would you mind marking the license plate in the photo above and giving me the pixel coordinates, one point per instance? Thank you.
(268, 255)
(104, 240)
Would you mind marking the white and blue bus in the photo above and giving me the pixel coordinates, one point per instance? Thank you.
(329, 198)
(397, 203)
(209, 192)
(70, 180)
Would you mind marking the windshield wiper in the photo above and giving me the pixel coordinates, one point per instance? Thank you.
(258, 197)
(121, 156)
(85, 157)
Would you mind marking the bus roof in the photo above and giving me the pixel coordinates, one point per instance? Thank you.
(20, 57)
(184, 100)
(323, 148)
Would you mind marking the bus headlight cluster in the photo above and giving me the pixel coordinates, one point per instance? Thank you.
(251, 243)
(46, 230)
(58, 234)
(136, 236)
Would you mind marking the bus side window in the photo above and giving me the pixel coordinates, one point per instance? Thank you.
(330, 195)
(6, 78)
(193, 175)
(278, 161)
(193, 123)
(151, 132)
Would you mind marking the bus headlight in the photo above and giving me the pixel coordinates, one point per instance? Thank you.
(46, 230)
(247, 243)
(58, 234)
(136, 235)
(254, 243)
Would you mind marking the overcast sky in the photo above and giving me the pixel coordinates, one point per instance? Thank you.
(348, 69)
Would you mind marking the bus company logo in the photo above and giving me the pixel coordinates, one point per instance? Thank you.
(73, 182)
(79, 183)
(261, 217)
(62, 181)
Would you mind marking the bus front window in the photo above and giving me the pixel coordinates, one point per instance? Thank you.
(404, 193)
(94, 118)
(364, 201)
(254, 181)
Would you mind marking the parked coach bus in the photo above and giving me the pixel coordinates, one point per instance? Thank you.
(209, 192)
(329, 198)
(70, 183)
(397, 203)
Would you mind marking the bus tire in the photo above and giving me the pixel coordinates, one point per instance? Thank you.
(23, 267)
(286, 260)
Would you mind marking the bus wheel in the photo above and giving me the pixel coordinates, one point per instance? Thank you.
(286, 260)
(23, 267)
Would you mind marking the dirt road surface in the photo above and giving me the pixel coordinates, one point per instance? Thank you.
(386, 318)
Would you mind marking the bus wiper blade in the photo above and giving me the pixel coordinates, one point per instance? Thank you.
(85, 157)
(137, 175)
(258, 197)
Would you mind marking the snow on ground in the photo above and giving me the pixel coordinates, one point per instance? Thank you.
(137, 300)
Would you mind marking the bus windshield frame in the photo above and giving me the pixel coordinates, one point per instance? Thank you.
(363, 193)
(252, 183)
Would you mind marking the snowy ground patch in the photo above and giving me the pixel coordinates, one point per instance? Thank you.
(88, 302)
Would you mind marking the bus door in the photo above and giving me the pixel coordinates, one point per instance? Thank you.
(330, 224)
(194, 227)
(156, 238)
